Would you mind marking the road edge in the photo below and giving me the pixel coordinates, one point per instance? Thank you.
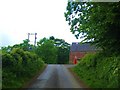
(32, 80)
(78, 79)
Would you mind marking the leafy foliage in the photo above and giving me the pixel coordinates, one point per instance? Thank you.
(24, 45)
(98, 71)
(47, 50)
(63, 50)
(53, 50)
(98, 23)
(19, 65)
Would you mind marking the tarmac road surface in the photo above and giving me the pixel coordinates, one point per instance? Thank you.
(55, 76)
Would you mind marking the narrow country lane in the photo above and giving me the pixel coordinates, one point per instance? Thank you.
(56, 76)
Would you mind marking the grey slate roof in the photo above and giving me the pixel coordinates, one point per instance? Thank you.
(77, 47)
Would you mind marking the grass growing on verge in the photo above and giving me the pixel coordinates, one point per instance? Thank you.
(99, 71)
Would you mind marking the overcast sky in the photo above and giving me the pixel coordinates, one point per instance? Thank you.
(45, 17)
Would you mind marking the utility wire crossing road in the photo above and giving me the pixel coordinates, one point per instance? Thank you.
(56, 76)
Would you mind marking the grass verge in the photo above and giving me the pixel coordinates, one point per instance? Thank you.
(99, 71)
(82, 84)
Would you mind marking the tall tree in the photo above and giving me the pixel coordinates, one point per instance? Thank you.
(63, 50)
(47, 51)
(98, 23)
(53, 50)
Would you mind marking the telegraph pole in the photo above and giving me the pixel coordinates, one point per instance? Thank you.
(34, 39)
(28, 36)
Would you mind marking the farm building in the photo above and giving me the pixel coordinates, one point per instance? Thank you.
(78, 50)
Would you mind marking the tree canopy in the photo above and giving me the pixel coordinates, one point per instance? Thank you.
(47, 51)
(96, 22)
(53, 50)
(63, 50)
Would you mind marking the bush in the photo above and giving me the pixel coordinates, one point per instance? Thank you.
(98, 71)
(19, 66)
(7, 60)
